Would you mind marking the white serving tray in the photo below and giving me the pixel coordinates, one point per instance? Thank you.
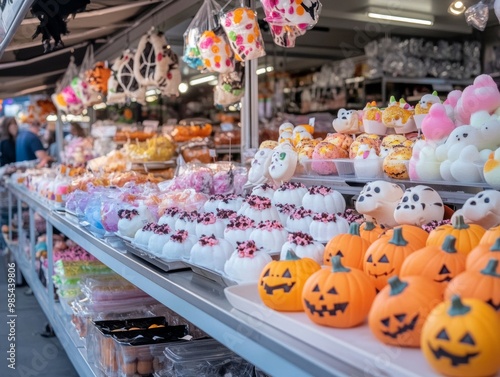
(356, 346)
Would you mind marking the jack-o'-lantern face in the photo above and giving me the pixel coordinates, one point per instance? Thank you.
(444, 275)
(465, 342)
(398, 325)
(281, 282)
(325, 301)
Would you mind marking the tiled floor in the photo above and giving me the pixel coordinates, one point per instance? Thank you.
(36, 356)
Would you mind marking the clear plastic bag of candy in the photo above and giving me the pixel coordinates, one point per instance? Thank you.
(302, 14)
(205, 19)
(229, 89)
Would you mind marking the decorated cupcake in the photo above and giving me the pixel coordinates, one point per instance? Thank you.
(259, 209)
(239, 230)
(246, 262)
(304, 246)
(299, 220)
(211, 252)
(370, 140)
(212, 203)
(143, 235)
(290, 193)
(179, 245)
(159, 238)
(187, 221)
(269, 236)
(423, 107)
(323, 199)
(264, 190)
(226, 215)
(367, 164)
(231, 202)
(208, 223)
(285, 210)
(323, 155)
(396, 163)
(131, 220)
(169, 217)
(399, 115)
(325, 226)
(372, 119)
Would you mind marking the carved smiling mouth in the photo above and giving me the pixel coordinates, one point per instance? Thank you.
(285, 287)
(455, 360)
(493, 305)
(382, 274)
(341, 307)
(402, 329)
(447, 278)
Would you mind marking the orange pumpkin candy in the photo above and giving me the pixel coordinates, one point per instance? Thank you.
(281, 282)
(483, 285)
(401, 308)
(490, 236)
(441, 264)
(350, 246)
(370, 231)
(481, 254)
(340, 297)
(385, 257)
(467, 235)
(413, 234)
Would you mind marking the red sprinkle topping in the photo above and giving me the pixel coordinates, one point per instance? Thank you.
(128, 214)
(208, 240)
(246, 249)
(300, 239)
(269, 225)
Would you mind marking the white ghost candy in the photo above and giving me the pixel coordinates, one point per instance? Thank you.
(482, 209)
(285, 136)
(287, 126)
(464, 169)
(427, 166)
(258, 172)
(418, 206)
(300, 133)
(283, 164)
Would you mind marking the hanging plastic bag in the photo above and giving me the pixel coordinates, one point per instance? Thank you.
(284, 35)
(116, 93)
(82, 89)
(65, 98)
(229, 90)
(244, 34)
(98, 77)
(216, 51)
(205, 19)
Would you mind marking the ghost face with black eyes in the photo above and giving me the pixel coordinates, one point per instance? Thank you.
(377, 202)
(258, 172)
(283, 163)
(418, 206)
(482, 209)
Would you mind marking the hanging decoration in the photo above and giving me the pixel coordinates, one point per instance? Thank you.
(127, 79)
(98, 76)
(80, 84)
(116, 93)
(65, 97)
(229, 89)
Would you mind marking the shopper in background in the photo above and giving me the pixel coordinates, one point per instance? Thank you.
(29, 146)
(8, 134)
(76, 130)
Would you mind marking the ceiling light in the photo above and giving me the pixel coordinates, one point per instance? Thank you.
(202, 79)
(183, 87)
(406, 17)
(51, 118)
(456, 8)
(263, 70)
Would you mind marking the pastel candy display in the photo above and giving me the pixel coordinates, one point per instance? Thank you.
(483, 94)
(284, 35)
(243, 33)
(191, 55)
(492, 170)
(216, 53)
(437, 126)
(303, 14)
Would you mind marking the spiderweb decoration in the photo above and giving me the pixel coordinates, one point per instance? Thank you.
(127, 78)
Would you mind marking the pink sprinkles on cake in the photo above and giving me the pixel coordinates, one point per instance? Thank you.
(208, 240)
(246, 249)
(434, 224)
(171, 211)
(270, 225)
(320, 190)
(128, 214)
(301, 213)
(325, 217)
(207, 218)
(258, 202)
(241, 223)
(189, 216)
(180, 236)
(291, 186)
(285, 208)
(149, 227)
(216, 197)
(264, 187)
(300, 239)
(351, 216)
(225, 214)
(229, 198)
(162, 229)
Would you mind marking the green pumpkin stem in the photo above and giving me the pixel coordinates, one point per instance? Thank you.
(337, 265)
(369, 225)
(290, 255)
(491, 268)
(397, 238)
(354, 229)
(459, 223)
(397, 286)
(496, 245)
(449, 244)
(457, 307)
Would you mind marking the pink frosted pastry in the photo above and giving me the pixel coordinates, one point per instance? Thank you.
(299, 220)
(304, 246)
(179, 245)
(187, 221)
(290, 193)
(285, 210)
(259, 209)
(131, 220)
(170, 216)
(323, 153)
(269, 236)
(160, 236)
(212, 203)
(208, 223)
(265, 190)
(239, 230)
(226, 215)
(211, 252)
(231, 202)
(325, 226)
(437, 126)
(246, 262)
(143, 235)
(323, 199)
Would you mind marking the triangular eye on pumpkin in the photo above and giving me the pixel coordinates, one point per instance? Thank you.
(351, 246)
(483, 285)
(281, 282)
(479, 256)
(338, 297)
(467, 235)
(400, 309)
(461, 338)
(441, 264)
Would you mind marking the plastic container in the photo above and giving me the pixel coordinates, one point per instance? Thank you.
(109, 288)
(345, 167)
(207, 358)
(370, 168)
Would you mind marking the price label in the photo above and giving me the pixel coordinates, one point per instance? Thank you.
(226, 127)
(212, 153)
